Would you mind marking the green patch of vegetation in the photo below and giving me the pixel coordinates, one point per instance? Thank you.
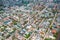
(25, 22)
(15, 22)
(13, 38)
(27, 35)
(48, 39)
(8, 36)
(55, 35)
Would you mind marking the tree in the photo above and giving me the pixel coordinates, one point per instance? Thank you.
(27, 35)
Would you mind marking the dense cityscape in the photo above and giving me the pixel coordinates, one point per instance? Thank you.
(29, 19)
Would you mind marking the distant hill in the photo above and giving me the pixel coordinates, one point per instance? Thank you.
(56, 1)
(1, 5)
(15, 2)
(8, 3)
